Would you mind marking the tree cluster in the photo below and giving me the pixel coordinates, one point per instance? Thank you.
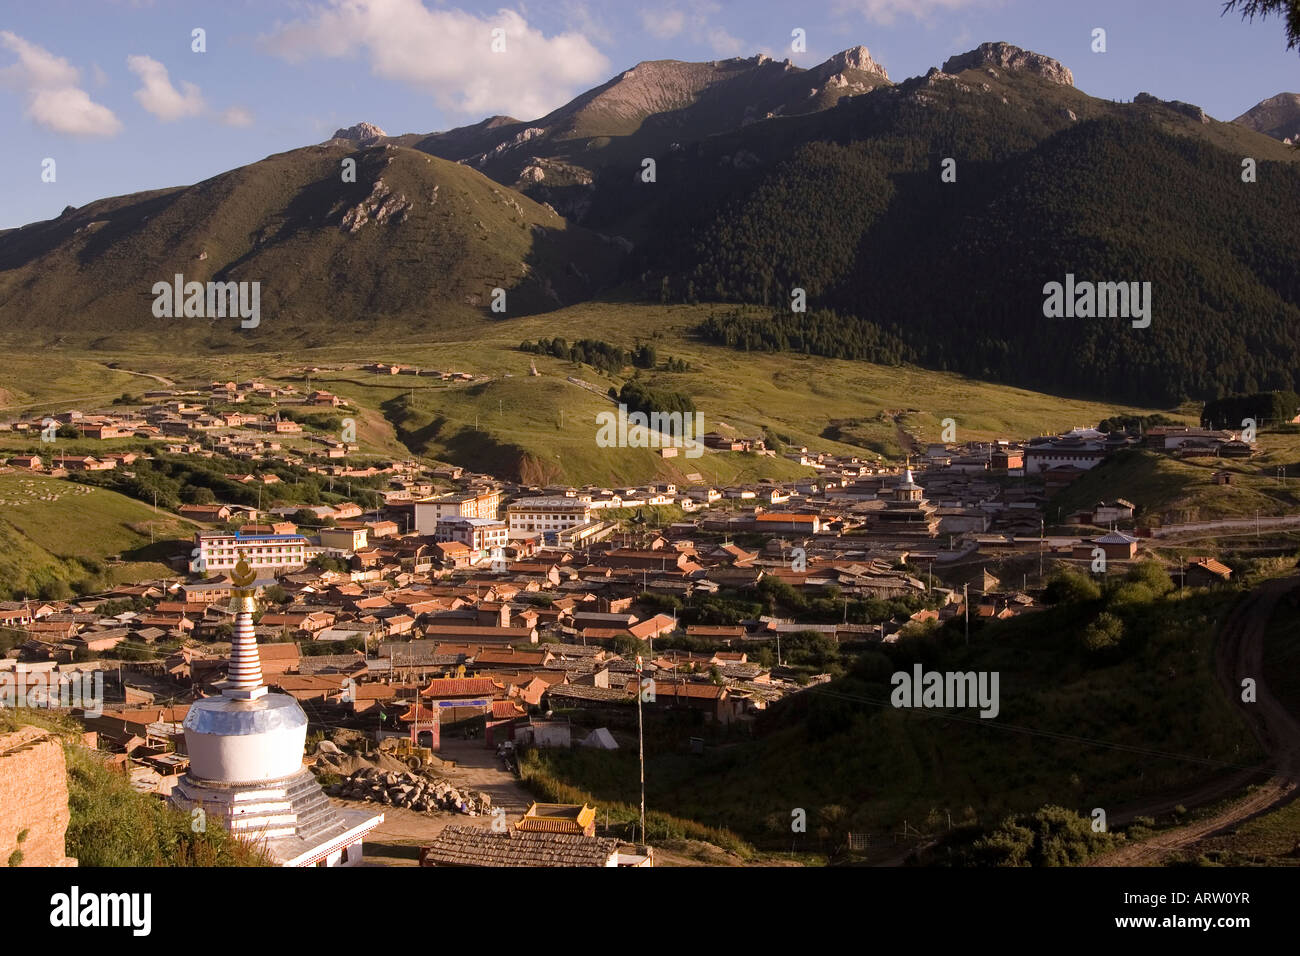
(1231, 410)
(639, 397)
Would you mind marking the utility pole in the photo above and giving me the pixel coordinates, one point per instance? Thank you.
(965, 606)
(640, 744)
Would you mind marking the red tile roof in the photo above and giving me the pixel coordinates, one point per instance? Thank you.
(1213, 566)
(460, 687)
(505, 709)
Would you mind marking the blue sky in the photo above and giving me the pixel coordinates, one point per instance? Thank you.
(113, 92)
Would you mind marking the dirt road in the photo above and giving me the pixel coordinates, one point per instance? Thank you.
(1239, 654)
(397, 841)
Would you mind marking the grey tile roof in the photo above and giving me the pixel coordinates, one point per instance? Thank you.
(330, 663)
(586, 692)
(576, 650)
(416, 653)
(460, 845)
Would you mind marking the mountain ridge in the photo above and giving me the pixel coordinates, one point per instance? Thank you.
(849, 202)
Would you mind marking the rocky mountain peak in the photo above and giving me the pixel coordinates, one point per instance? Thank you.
(854, 58)
(361, 133)
(1009, 57)
(1190, 110)
(1278, 116)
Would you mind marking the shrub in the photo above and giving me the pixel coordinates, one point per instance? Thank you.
(1052, 836)
(1104, 632)
(1132, 593)
(1153, 575)
(57, 590)
(1068, 586)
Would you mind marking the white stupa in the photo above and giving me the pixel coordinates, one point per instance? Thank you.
(246, 771)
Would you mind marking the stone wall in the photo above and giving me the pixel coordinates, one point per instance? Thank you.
(33, 798)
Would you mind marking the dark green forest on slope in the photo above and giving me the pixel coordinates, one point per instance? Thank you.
(900, 266)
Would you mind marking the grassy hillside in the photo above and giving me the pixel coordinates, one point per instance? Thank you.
(38, 381)
(1269, 840)
(413, 237)
(851, 760)
(525, 422)
(1172, 490)
(794, 397)
(54, 531)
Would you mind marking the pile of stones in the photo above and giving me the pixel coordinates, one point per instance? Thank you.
(410, 790)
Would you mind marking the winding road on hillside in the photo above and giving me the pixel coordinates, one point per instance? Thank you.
(1238, 654)
(168, 383)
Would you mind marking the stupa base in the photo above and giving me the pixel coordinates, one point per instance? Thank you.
(290, 818)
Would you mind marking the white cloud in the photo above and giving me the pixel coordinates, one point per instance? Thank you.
(585, 21)
(448, 53)
(663, 24)
(158, 96)
(724, 44)
(54, 98)
(697, 26)
(237, 116)
(885, 12)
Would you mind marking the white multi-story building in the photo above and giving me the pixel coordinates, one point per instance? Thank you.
(1083, 455)
(477, 534)
(429, 511)
(221, 551)
(529, 515)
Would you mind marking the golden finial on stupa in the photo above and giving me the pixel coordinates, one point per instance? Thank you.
(241, 595)
(243, 575)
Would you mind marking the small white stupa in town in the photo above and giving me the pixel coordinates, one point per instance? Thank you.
(246, 771)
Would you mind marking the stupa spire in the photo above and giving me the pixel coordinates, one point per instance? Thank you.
(244, 679)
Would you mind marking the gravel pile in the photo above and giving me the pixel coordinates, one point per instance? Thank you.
(410, 790)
